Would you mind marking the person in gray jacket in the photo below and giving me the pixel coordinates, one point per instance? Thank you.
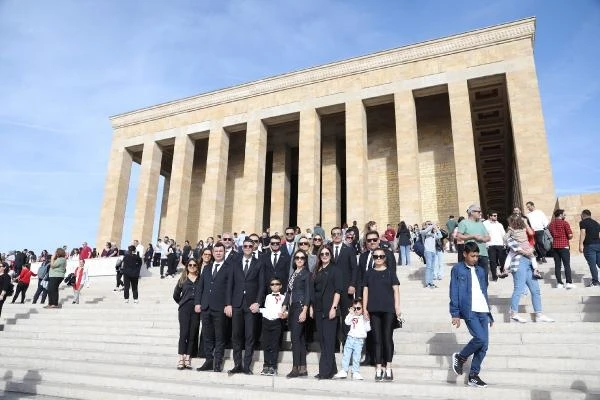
(430, 233)
(42, 288)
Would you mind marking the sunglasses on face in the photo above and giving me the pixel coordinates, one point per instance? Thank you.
(289, 233)
(226, 239)
(336, 234)
(275, 284)
(275, 243)
(357, 308)
(378, 256)
(299, 258)
(325, 254)
(372, 240)
(248, 246)
(303, 243)
(317, 240)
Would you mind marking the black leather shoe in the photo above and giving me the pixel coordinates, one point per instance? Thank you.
(207, 366)
(247, 371)
(236, 370)
(317, 376)
(293, 373)
(218, 367)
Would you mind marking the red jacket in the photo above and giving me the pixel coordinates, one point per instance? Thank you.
(25, 275)
(78, 278)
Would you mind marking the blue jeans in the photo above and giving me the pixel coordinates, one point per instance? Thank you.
(429, 260)
(438, 265)
(524, 276)
(591, 252)
(352, 349)
(404, 255)
(478, 326)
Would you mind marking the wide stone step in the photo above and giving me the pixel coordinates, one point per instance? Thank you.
(214, 385)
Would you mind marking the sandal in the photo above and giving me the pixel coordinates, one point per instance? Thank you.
(181, 364)
(187, 363)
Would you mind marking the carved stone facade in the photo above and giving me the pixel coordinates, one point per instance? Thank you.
(403, 134)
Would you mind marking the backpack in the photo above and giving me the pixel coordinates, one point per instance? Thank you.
(419, 247)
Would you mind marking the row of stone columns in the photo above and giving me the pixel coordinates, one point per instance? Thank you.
(524, 101)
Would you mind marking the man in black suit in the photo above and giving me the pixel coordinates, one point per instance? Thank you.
(344, 258)
(247, 290)
(214, 302)
(255, 241)
(366, 262)
(277, 263)
(230, 252)
(289, 247)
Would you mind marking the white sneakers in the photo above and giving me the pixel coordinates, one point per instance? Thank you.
(570, 286)
(343, 375)
(560, 286)
(543, 318)
(126, 301)
(518, 318)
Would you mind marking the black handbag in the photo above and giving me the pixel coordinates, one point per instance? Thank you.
(398, 321)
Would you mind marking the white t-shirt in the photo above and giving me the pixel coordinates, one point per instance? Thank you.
(496, 232)
(478, 303)
(538, 220)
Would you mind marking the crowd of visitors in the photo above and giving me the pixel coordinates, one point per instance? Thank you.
(342, 288)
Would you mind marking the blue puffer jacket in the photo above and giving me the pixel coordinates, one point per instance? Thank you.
(460, 290)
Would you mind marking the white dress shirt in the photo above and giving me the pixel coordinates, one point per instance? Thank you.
(538, 220)
(496, 232)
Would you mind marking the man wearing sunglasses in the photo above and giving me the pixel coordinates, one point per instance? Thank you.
(289, 247)
(473, 230)
(344, 258)
(227, 240)
(247, 291)
(277, 263)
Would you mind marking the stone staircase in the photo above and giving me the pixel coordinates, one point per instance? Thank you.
(103, 348)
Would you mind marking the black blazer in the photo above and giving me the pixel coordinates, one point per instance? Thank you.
(362, 265)
(346, 262)
(301, 290)
(186, 292)
(212, 293)
(281, 270)
(327, 283)
(131, 265)
(249, 288)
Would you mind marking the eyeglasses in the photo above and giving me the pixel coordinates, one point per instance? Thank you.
(275, 284)
(275, 244)
(299, 258)
(357, 308)
(303, 243)
(248, 246)
(372, 240)
(336, 234)
(325, 254)
(378, 256)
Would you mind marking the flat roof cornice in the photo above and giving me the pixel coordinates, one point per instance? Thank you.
(497, 34)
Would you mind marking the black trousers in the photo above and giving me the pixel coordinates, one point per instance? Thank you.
(163, 264)
(133, 282)
(539, 244)
(383, 336)
(270, 339)
(213, 328)
(189, 325)
(2, 303)
(156, 259)
(327, 337)
(343, 329)
(484, 262)
(40, 291)
(562, 256)
(53, 284)
(21, 290)
(497, 255)
(243, 325)
(120, 279)
(172, 261)
(298, 335)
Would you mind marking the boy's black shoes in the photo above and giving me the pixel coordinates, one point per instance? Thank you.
(457, 364)
(475, 380)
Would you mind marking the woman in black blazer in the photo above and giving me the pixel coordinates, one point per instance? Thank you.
(327, 288)
(297, 301)
(131, 266)
(189, 320)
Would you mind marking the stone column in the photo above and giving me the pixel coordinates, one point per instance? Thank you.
(529, 134)
(332, 187)
(213, 190)
(309, 169)
(407, 150)
(280, 188)
(180, 185)
(356, 162)
(162, 221)
(112, 215)
(254, 175)
(467, 185)
(145, 206)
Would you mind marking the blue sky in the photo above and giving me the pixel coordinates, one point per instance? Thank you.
(66, 66)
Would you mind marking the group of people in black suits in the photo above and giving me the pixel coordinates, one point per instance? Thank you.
(232, 289)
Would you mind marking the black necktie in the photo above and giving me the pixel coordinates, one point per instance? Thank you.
(215, 269)
(274, 259)
(246, 268)
(337, 253)
(371, 262)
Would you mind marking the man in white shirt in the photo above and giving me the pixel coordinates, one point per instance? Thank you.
(139, 248)
(496, 250)
(538, 221)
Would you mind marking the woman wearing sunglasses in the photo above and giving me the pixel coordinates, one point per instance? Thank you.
(317, 244)
(328, 286)
(295, 308)
(189, 321)
(304, 245)
(381, 302)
